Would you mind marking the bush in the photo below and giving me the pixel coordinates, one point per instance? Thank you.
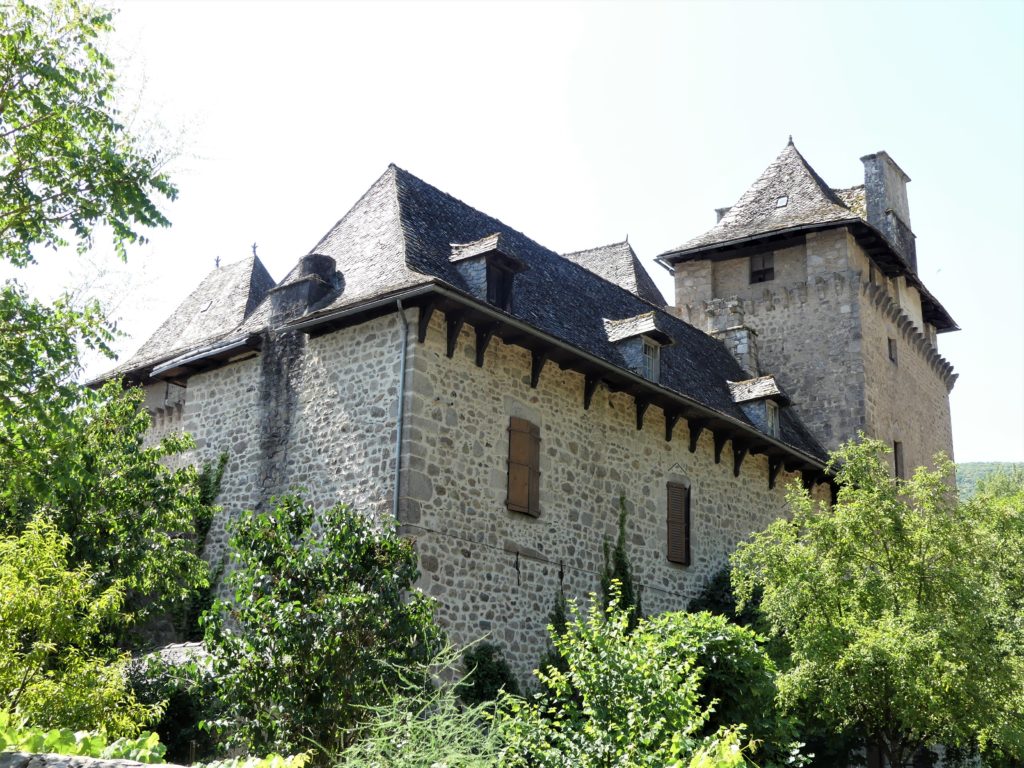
(485, 675)
(17, 736)
(323, 616)
(628, 698)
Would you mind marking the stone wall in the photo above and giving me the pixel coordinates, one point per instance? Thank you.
(49, 760)
(313, 415)
(497, 572)
(808, 330)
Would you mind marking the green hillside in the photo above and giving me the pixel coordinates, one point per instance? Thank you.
(969, 473)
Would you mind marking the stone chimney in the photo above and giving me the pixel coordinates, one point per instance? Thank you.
(885, 193)
(314, 279)
(725, 322)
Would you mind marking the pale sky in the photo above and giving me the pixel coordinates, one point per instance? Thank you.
(580, 123)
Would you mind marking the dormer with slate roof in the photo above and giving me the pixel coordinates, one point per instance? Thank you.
(826, 282)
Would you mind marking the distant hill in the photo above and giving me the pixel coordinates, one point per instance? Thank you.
(969, 473)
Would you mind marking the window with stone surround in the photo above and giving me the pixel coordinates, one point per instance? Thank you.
(892, 350)
(523, 467)
(762, 267)
(678, 523)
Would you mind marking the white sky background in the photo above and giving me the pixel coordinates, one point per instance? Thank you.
(580, 123)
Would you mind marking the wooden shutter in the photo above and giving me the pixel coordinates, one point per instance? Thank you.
(678, 523)
(523, 467)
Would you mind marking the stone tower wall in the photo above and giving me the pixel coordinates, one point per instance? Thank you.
(807, 326)
(823, 329)
(906, 399)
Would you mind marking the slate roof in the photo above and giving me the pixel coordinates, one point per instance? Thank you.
(809, 200)
(756, 389)
(399, 235)
(214, 311)
(617, 263)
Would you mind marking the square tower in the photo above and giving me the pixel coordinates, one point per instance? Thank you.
(823, 284)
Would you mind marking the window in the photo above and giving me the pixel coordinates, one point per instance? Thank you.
(678, 548)
(892, 350)
(771, 412)
(523, 467)
(499, 285)
(651, 361)
(897, 459)
(762, 267)
(782, 202)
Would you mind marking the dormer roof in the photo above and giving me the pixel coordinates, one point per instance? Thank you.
(646, 324)
(760, 388)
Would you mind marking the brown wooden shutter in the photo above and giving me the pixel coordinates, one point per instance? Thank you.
(523, 467)
(678, 523)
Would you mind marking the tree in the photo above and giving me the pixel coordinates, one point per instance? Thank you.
(67, 163)
(895, 610)
(630, 697)
(53, 670)
(324, 616)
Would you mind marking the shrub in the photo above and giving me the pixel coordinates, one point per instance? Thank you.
(323, 616)
(485, 675)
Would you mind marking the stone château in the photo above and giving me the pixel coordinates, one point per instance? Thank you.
(429, 363)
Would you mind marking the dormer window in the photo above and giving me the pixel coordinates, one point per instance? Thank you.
(762, 267)
(499, 285)
(771, 412)
(651, 366)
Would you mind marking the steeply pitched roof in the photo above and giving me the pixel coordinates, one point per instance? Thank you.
(788, 194)
(212, 312)
(617, 263)
(400, 234)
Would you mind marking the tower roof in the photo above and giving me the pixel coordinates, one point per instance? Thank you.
(788, 194)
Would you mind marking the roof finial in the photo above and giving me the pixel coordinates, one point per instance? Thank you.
(216, 262)
(627, 237)
(254, 249)
(790, 142)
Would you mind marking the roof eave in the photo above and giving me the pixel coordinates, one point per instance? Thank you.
(325, 321)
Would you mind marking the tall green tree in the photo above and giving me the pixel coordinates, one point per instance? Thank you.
(895, 607)
(67, 162)
(324, 619)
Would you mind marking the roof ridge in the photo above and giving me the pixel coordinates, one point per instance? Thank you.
(600, 248)
(829, 192)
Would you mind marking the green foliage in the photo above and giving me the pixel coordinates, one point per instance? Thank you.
(185, 691)
(485, 675)
(619, 571)
(67, 163)
(629, 698)
(53, 670)
(270, 761)
(17, 736)
(418, 726)
(324, 614)
(872, 596)
(970, 474)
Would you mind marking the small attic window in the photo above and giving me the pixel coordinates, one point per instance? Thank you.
(782, 202)
(651, 363)
(499, 285)
(771, 412)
